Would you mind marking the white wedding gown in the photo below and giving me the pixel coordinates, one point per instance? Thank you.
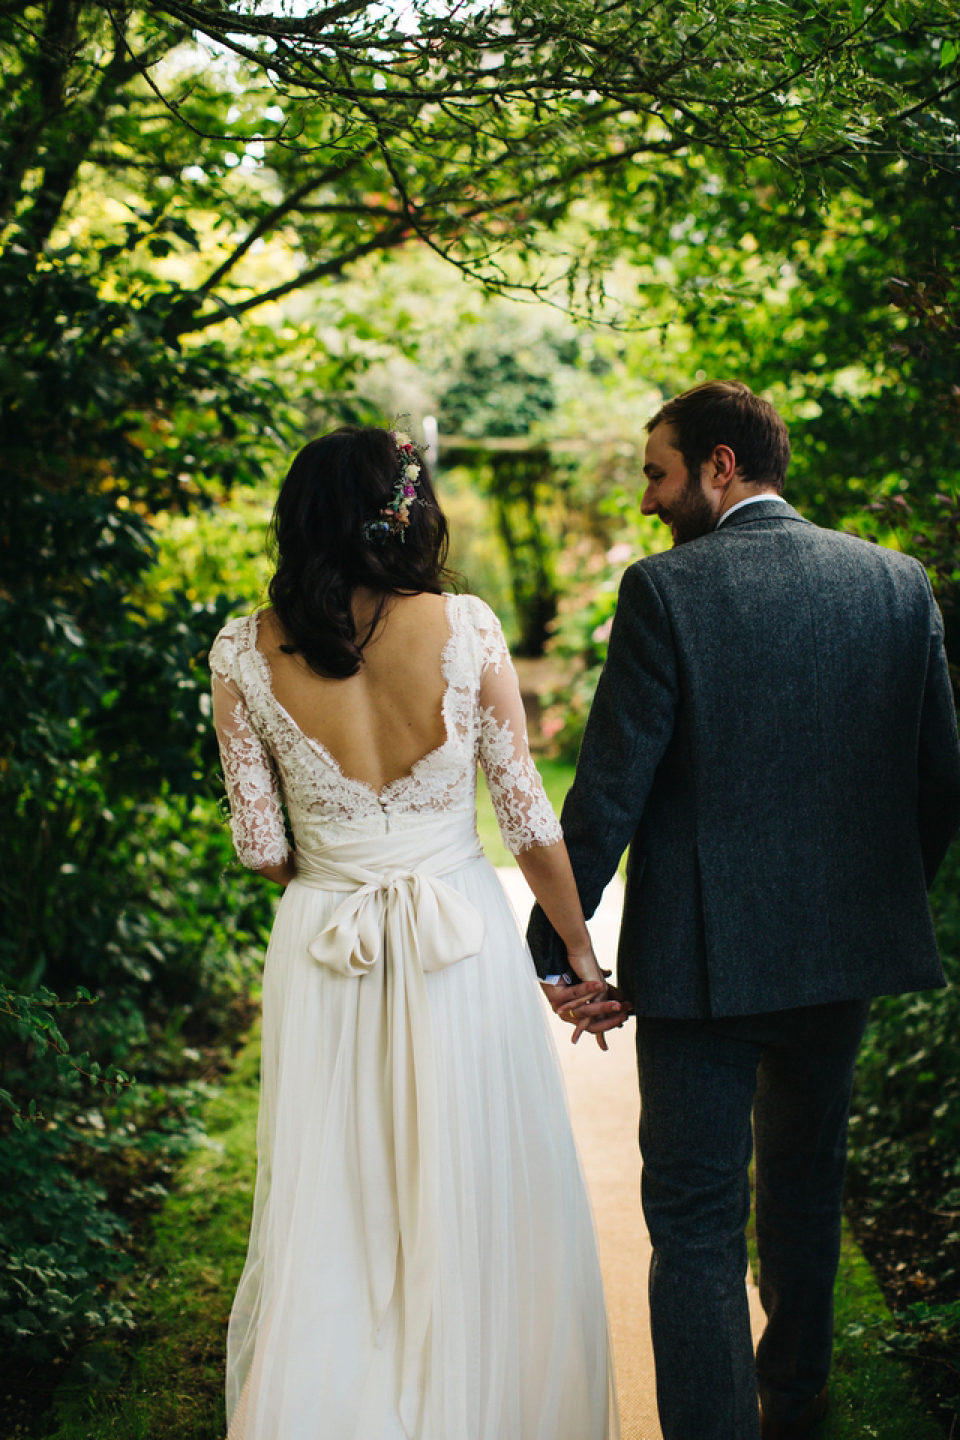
(422, 1260)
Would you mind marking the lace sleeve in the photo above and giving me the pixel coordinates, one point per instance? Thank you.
(524, 813)
(256, 818)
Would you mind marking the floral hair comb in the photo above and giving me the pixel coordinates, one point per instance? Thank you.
(395, 517)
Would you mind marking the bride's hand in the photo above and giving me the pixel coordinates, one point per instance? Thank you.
(566, 999)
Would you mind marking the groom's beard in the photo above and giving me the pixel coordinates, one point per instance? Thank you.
(690, 515)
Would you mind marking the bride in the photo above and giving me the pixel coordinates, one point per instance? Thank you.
(422, 1261)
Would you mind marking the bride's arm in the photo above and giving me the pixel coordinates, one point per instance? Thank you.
(547, 870)
(530, 829)
(586, 1001)
(256, 814)
(592, 1003)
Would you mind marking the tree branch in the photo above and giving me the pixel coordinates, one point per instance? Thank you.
(75, 139)
(43, 102)
(384, 240)
(274, 216)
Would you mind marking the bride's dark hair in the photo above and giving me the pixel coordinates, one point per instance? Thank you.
(335, 486)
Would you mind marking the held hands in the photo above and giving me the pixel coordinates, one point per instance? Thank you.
(590, 1003)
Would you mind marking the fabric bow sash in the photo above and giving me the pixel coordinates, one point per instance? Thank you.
(397, 924)
(434, 923)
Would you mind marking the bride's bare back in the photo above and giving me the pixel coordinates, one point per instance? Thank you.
(378, 723)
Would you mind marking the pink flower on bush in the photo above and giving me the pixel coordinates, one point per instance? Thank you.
(550, 726)
(602, 633)
(619, 554)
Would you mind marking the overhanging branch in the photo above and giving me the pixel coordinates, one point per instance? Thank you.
(384, 240)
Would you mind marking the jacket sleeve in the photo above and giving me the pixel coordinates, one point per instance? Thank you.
(630, 726)
(938, 756)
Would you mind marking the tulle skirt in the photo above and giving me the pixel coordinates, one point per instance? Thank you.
(517, 1346)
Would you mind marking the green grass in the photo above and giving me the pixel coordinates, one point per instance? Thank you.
(871, 1393)
(167, 1378)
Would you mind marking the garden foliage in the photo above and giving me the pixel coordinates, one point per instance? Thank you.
(904, 1180)
(108, 883)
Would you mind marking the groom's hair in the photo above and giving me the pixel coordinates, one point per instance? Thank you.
(726, 412)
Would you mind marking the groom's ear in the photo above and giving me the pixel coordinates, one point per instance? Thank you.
(720, 469)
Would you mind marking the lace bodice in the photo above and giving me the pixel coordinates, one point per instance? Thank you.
(268, 760)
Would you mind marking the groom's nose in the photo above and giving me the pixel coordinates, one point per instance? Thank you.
(648, 505)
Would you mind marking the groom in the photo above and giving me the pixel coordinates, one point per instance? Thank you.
(775, 739)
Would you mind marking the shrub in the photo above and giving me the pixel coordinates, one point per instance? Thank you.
(60, 1249)
(168, 931)
(906, 1112)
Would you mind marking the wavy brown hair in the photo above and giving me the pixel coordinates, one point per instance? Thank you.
(334, 487)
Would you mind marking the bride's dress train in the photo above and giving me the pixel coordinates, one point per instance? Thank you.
(422, 1261)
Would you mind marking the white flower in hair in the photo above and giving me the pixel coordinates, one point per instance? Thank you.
(395, 517)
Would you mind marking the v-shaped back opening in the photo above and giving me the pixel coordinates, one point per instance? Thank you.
(325, 751)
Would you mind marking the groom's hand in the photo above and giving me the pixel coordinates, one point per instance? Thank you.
(596, 1018)
(589, 1005)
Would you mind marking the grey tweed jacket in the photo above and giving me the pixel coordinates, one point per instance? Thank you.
(774, 736)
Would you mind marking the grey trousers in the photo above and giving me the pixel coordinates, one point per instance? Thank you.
(700, 1083)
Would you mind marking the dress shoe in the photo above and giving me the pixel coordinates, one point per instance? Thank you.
(796, 1429)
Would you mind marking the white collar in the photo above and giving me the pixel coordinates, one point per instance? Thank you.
(750, 500)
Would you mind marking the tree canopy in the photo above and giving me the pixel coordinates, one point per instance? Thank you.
(358, 126)
(168, 168)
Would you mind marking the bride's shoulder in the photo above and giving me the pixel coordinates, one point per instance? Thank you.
(235, 637)
(473, 610)
(476, 619)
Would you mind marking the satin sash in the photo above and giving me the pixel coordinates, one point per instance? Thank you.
(399, 922)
